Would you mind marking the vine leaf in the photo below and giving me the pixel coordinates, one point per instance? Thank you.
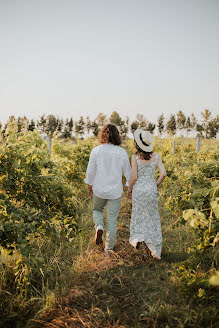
(215, 207)
(195, 218)
(214, 279)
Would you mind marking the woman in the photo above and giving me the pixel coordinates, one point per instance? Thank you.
(104, 178)
(145, 220)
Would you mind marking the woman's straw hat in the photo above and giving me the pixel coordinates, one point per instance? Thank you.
(144, 140)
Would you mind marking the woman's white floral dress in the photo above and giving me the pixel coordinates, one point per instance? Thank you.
(145, 219)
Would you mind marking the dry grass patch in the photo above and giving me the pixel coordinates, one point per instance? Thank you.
(123, 290)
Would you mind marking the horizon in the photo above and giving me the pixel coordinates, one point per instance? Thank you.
(166, 117)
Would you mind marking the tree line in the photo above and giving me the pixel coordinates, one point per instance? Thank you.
(207, 126)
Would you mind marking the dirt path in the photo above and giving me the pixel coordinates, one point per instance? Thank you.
(123, 290)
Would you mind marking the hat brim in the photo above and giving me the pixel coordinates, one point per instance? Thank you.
(148, 148)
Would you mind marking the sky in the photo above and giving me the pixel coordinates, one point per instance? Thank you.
(82, 57)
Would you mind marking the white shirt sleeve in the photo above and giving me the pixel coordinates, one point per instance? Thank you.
(127, 169)
(91, 169)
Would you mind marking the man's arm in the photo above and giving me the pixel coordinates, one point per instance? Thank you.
(90, 173)
(127, 170)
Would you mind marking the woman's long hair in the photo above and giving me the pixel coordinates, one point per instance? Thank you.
(143, 154)
(110, 134)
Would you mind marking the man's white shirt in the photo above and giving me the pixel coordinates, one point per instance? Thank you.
(106, 165)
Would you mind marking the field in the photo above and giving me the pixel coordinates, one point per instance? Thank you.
(53, 275)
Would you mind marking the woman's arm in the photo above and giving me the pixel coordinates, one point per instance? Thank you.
(162, 171)
(133, 175)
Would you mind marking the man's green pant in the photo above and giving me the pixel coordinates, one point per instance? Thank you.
(113, 207)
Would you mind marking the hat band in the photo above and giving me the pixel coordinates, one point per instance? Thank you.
(144, 143)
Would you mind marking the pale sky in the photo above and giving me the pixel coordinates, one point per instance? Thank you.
(72, 58)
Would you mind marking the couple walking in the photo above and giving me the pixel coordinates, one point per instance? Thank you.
(107, 163)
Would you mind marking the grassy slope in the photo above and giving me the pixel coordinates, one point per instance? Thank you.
(123, 290)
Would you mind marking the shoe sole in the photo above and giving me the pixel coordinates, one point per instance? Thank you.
(99, 239)
(138, 245)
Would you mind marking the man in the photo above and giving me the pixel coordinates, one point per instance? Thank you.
(107, 163)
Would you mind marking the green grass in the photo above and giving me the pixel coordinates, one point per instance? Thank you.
(82, 287)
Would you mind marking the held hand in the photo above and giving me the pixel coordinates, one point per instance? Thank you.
(129, 195)
(90, 191)
(158, 185)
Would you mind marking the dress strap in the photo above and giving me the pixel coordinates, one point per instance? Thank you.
(139, 163)
(137, 159)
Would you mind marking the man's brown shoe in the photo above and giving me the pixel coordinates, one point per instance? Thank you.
(99, 237)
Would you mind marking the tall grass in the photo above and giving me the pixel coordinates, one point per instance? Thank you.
(74, 284)
(123, 290)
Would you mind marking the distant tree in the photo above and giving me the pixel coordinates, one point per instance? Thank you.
(213, 127)
(127, 119)
(123, 129)
(151, 127)
(134, 126)
(41, 124)
(171, 125)
(101, 119)
(52, 125)
(31, 125)
(95, 128)
(68, 128)
(88, 125)
(70, 125)
(60, 124)
(121, 124)
(193, 122)
(180, 121)
(206, 115)
(188, 125)
(11, 120)
(115, 119)
(19, 123)
(22, 123)
(199, 129)
(160, 124)
(65, 134)
(49, 124)
(142, 121)
(79, 127)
